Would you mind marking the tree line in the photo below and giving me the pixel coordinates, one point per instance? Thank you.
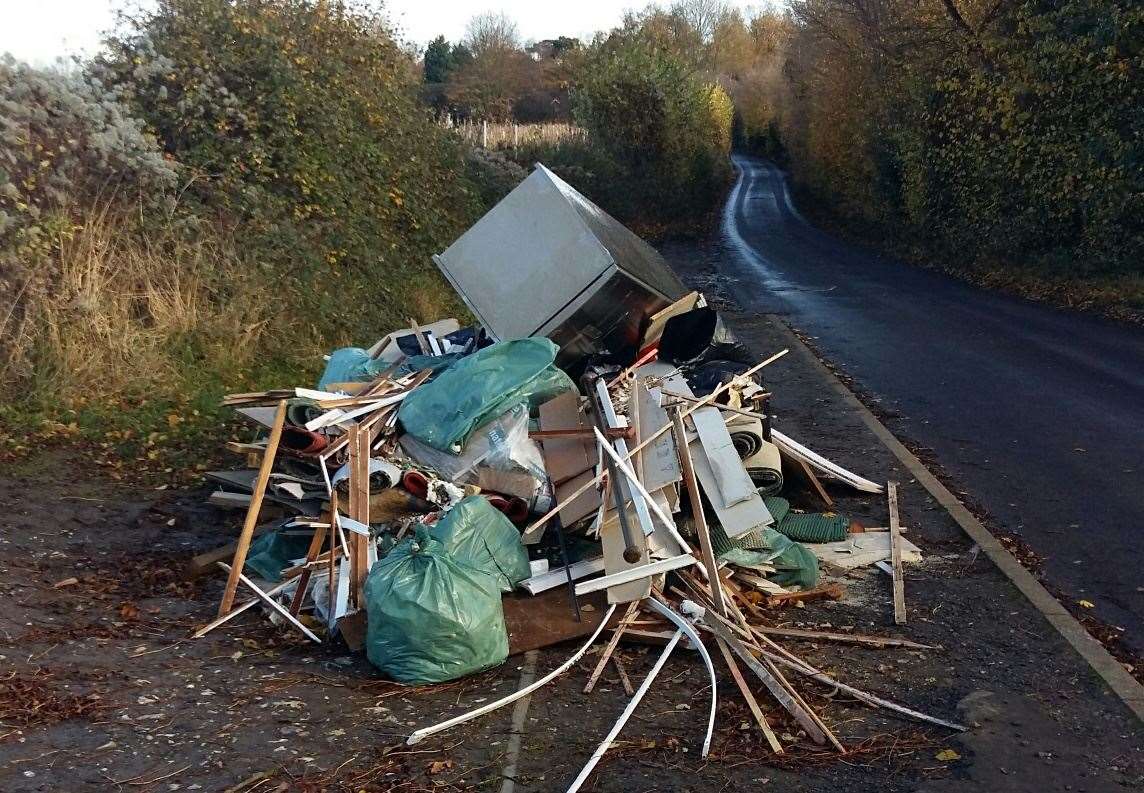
(1003, 139)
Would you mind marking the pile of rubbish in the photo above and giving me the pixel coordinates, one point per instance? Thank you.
(596, 453)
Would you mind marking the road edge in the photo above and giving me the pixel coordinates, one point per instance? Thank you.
(1130, 692)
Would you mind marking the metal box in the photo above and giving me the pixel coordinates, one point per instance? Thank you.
(546, 261)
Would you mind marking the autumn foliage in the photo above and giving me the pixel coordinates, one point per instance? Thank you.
(999, 138)
(230, 188)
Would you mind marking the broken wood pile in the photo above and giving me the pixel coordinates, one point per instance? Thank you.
(441, 494)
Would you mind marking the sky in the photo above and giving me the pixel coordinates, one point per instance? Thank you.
(39, 31)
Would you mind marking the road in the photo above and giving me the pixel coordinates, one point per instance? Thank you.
(1037, 412)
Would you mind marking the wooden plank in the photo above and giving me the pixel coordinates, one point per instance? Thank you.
(625, 681)
(737, 594)
(797, 473)
(758, 582)
(358, 544)
(778, 691)
(699, 517)
(752, 703)
(831, 591)
(547, 619)
(252, 512)
(304, 580)
(658, 320)
(691, 398)
(844, 638)
(421, 343)
(807, 670)
(896, 555)
(609, 648)
(332, 571)
(830, 736)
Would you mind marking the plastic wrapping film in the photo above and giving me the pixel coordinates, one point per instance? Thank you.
(502, 444)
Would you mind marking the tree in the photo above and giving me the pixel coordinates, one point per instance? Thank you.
(664, 128)
(564, 45)
(302, 120)
(439, 61)
(491, 33)
(498, 72)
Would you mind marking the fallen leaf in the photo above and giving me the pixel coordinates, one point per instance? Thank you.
(1088, 604)
(65, 582)
(947, 755)
(437, 766)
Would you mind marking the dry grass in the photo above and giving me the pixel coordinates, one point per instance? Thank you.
(117, 312)
(506, 136)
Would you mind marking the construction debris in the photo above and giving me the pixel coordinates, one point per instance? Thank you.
(437, 483)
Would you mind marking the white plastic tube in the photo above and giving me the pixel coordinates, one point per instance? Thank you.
(424, 733)
(688, 629)
(620, 722)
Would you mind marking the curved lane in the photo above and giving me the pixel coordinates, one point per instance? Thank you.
(1037, 411)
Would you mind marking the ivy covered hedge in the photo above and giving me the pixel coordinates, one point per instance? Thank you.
(1004, 140)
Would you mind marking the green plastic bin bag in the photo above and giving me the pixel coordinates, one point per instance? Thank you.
(480, 387)
(478, 535)
(431, 618)
(354, 365)
(350, 365)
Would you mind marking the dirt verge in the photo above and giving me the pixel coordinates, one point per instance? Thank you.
(254, 706)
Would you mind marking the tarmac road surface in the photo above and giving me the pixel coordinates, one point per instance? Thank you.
(1037, 412)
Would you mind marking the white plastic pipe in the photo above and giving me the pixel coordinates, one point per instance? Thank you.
(687, 628)
(424, 733)
(620, 722)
